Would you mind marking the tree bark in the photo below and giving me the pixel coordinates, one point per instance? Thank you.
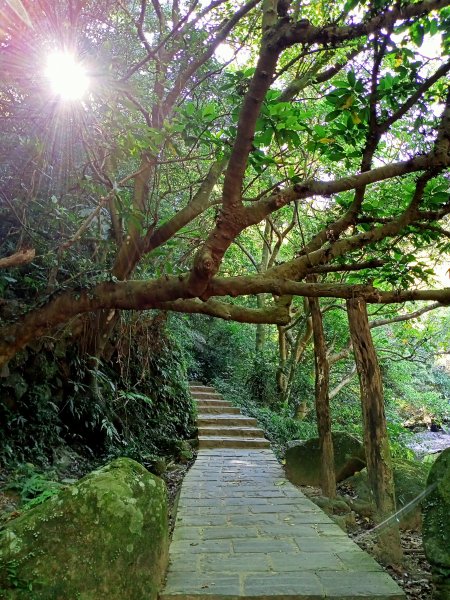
(301, 343)
(21, 257)
(376, 441)
(328, 477)
(260, 299)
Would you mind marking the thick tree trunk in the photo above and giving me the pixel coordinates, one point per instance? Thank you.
(328, 478)
(301, 343)
(260, 298)
(378, 453)
(260, 328)
(283, 355)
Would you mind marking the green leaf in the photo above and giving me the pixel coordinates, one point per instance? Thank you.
(351, 78)
(209, 111)
(350, 5)
(333, 115)
(439, 197)
(190, 109)
(417, 34)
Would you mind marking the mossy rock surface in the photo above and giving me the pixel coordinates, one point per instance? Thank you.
(104, 537)
(303, 459)
(410, 478)
(436, 530)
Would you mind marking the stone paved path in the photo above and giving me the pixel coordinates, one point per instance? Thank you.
(243, 531)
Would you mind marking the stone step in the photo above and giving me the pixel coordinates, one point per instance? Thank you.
(213, 403)
(217, 410)
(215, 441)
(224, 420)
(207, 395)
(202, 388)
(238, 431)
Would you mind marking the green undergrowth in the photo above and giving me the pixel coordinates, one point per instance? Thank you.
(136, 404)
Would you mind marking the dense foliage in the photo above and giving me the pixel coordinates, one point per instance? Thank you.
(135, 405)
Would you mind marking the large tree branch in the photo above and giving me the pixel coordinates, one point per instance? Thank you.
(142, 295)
(368, 264)
(259, 284)
(332, 35)
(134, 247)
(21, 257)
(230, 223)
(199, 203)
(306, 189)
(278, 315)
(296, 269)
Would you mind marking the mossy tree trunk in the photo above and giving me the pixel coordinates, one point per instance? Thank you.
(376, 441)
(328, 478)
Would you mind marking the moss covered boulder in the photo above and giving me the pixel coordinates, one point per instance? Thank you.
(303, 459)
(104, 537)
(436, 529)
(410, 478)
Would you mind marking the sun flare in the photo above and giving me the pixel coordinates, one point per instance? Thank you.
(67, 76)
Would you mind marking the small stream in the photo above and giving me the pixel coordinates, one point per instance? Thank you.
(428, 442)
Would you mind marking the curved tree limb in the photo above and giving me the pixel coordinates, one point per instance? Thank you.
(21, 257)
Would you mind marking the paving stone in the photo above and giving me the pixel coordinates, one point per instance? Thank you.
(265, 545)
(186, 548)
(221, 563)
(188, 533)
(312, 516)
(224, 533)
(193, 564)
(197, 520)
(358, 585)
(317, 544)
(201, 585)
(301, 585)
(200, 502)
(242, 531)
(305, 561)
(243, 500)
(280, 530)
(354, 559)
(255, 520)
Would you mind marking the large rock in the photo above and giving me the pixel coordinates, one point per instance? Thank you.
(410, 480)
(303, 459)
(436, 529)
(104, 537)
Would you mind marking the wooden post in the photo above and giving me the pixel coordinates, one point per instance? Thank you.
(322, 370)
(376, 441)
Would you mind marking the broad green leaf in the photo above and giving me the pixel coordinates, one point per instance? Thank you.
(332, 115)
(417, 34)
(348, 102)
(190, 109)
